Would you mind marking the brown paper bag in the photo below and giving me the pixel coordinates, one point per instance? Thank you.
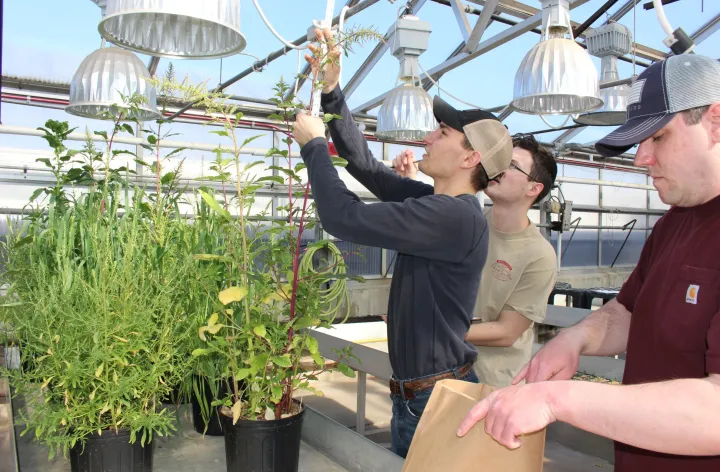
(436, 447)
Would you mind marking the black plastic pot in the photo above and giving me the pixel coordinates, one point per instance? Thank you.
(111, 452)
(214, 427)
(263, 446)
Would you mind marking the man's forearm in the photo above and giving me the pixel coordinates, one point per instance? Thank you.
(673, 417)
(489, 334)
(604, 332)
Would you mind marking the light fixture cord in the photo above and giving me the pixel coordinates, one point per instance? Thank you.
(555, 127)
(277, 35)
(448, 93)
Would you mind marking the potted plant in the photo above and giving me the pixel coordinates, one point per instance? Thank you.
(95, 290)
(276, 287)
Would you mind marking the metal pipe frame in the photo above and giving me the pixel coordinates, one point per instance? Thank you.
(458, 8)
(455, 62)
(279, 53)
(522, 11)
(374, 57)
(499, 39)
(592, 18)
(706, 30)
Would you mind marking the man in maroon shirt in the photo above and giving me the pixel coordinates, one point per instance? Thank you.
(666, 416)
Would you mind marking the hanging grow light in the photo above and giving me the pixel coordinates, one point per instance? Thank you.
(103, 78)
(609, 42)
(182, 29)
(406, 113)
(557, 76)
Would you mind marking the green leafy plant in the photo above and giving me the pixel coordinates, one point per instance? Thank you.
(276, 287)
(96, 292)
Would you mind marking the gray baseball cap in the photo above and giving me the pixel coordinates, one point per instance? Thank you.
(665, 88)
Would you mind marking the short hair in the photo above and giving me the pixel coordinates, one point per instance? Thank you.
(479, 178)
(544, 169)
(694, 116)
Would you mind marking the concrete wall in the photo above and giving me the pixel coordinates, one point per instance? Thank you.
(371, 297)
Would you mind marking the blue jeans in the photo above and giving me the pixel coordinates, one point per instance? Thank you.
(406, 414)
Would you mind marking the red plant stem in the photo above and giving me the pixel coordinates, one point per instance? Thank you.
(296, 259)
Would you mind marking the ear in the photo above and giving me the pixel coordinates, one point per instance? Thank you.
(535, 190)
(713, 117)
(471, 160)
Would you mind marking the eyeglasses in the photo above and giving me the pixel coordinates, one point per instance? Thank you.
(515, 166)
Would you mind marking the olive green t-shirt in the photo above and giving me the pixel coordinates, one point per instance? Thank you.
(519, 276)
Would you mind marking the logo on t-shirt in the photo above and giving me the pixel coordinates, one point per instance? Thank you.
(502, 270)
(692, 294)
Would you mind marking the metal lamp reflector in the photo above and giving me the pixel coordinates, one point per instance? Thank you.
(103, 77)
(406, 114)
(182, 29)
(609, 42)
(557, 76)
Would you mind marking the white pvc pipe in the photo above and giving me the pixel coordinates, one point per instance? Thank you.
(27, 131)
(660, 13)
(603, 183)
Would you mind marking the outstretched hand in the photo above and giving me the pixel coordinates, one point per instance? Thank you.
(332, 63)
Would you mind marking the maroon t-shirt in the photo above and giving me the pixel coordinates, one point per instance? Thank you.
(674, 297)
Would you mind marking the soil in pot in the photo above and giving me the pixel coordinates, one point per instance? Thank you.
(263, 445)
(111, 451)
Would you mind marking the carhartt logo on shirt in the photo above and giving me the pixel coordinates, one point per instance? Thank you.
(692, 294)
(502, 270)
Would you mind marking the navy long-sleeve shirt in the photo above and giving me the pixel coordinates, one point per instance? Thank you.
(441, 243)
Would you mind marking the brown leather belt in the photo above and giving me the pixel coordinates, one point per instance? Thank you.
(411, 387)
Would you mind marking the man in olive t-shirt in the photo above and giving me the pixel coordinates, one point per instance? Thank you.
(517, 279)
(521, 266)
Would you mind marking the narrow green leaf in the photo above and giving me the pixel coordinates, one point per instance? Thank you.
(212, 203)
(175, 151)
(101, 133)
(128, 128)
(272, 178)
(221, 132)
(45, 161)
(347, 371)
(312, 344)
(242, 374)
(167, 178)
(281, 361)
(258, 363)
(339, 162)
(303, 322)
(36, 194)
(200, 352)
(251, 139)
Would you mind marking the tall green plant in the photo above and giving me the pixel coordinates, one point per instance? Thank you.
(276, 287)
(96, 293)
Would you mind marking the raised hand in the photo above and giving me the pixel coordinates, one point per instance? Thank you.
(332, 62)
